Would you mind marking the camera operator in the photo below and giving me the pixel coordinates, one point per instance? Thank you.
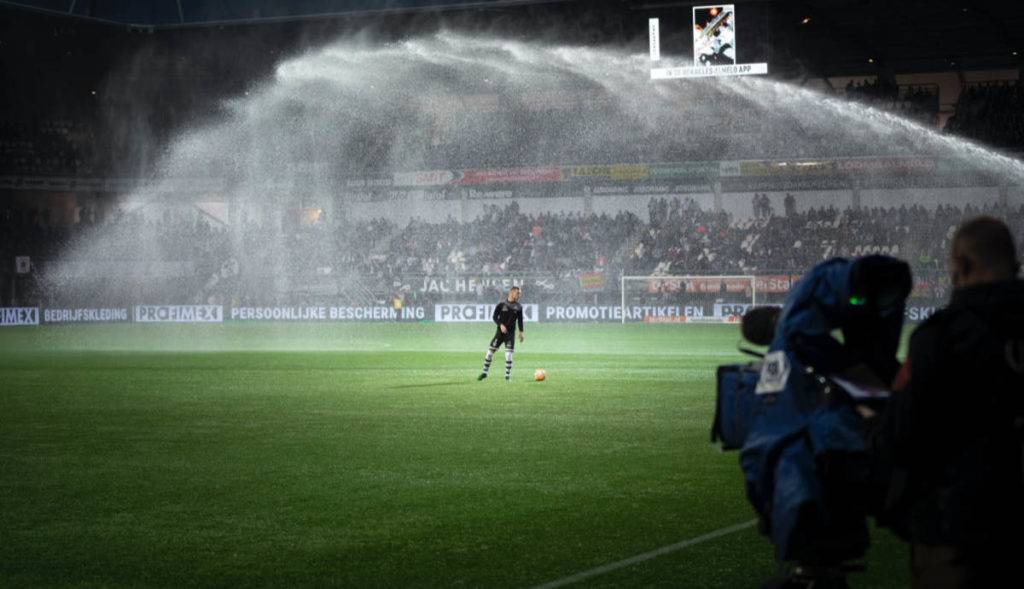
(952, 432)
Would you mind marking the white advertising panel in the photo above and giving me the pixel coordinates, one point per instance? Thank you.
(179, 314)
(327, 314)
(82, 315)
(10, 316)
(472, 312)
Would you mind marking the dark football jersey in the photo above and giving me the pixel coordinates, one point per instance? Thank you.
(509, 314)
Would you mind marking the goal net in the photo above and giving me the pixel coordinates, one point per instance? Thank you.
(686, 299)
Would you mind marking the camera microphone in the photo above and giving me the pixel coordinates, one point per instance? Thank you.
(758, 325)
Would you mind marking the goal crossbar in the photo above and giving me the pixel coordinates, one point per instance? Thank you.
(682, 278)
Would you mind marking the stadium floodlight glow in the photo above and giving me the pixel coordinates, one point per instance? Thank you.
(714, 47)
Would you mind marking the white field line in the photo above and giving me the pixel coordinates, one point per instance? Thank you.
(612, 566)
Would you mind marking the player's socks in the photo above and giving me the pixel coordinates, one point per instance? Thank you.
(487, 364)
(508, 365)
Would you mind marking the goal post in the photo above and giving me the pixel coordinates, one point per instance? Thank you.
(708, 298)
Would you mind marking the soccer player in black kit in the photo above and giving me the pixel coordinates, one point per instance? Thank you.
(507, 314)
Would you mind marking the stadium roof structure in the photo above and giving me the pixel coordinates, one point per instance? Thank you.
(837, 37)
(819, 39)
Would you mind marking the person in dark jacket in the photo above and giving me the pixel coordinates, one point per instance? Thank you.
(954, 429)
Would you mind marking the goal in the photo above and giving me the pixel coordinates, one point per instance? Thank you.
(686, 299)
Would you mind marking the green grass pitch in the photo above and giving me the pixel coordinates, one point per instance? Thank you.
(367, 455)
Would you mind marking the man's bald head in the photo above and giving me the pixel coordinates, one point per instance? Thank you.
(983, 252)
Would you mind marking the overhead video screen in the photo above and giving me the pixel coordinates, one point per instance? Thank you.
(716, 40)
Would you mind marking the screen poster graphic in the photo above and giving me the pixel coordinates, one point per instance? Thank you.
(714, 35)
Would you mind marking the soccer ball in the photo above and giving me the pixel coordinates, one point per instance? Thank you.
(538, 375)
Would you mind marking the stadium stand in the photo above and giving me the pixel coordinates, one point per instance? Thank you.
(992, 112)
(679, 237)
(60, 125)
(917, 102)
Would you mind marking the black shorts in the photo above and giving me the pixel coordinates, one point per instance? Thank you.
(509, 339)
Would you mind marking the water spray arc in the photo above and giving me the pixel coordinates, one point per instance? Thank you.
(355, 112)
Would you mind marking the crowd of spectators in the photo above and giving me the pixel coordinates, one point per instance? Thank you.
(506, 240)
(115, 132)
(991, 112)
(695, 241)
(127, 257)
(122, 139)
(304, 262)
(54, 146)
(920, 102)
(83, 142)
